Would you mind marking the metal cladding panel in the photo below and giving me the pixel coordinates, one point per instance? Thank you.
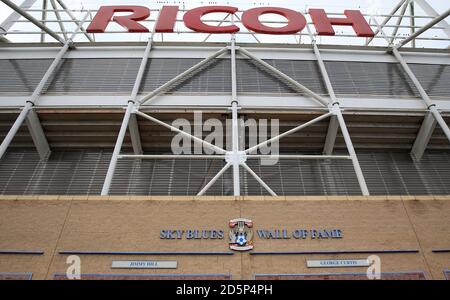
(252, 79)
(435, 79)
(363, 78)
(117, 76)
(82, 172)
(21, 76)
(95, 75)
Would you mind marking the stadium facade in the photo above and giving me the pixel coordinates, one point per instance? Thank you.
(90, 183)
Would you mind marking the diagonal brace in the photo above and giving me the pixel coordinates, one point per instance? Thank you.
(183, 76)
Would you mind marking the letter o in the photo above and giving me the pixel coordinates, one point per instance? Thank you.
(296, 21)
(193, 19)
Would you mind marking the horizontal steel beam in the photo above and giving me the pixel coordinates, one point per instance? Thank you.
(303, 157)
(172, 156)
(424, 136)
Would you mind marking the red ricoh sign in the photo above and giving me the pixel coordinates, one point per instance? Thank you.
(250, 19)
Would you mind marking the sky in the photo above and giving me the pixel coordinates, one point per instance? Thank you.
(366, 6)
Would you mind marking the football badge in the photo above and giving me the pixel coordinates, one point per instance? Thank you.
(241, 234)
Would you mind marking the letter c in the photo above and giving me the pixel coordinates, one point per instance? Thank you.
(193, 19)
(296, 21)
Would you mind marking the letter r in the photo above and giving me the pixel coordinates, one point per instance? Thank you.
(106, 14)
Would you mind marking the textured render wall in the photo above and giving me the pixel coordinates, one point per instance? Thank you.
(132, 224)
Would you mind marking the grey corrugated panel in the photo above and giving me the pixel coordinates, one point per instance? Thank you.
(369, 78)
(78, 76)
(253, 79)
(435, 79)
(82, 172)
(117, 75)
(21, 76)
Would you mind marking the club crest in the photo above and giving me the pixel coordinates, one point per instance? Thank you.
(241, 234)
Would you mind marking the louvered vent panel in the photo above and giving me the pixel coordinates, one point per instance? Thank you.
(99, 75)
(82, 172)
(369, 78)
(434, 78)
(21, 76)
(117, 75)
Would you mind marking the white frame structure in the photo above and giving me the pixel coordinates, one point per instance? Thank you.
(234, 158)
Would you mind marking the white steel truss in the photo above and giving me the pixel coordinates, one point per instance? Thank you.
(236, 157)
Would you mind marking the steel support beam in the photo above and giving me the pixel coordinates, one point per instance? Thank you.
(235, 119)
(6, 25)
(58, 17)
(15, 128)
(188, 135)
(351, 150)
(399, 22)
(44, 18)
(33, 123)
(74, 19)
(412, 21)
(330, 140)
(37, 134)
(133, 124)
(135, 135)
(386, 20)
(278, 137)
(333, 126)
(431, 106)
(181, 77)
(172, 156)
(425, 28)
(337, 121)
(429, 10)
(3, 39)
(215, 178)
(33, 20)
(259, 179)
(117, 148)
(424, 136)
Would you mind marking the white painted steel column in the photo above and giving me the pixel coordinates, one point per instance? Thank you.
(235, 119)
(117, 149)
(336, 110)
(425, 28)
(211, 183)
(67, 10)
(351, 150)
(133, 124)
(126, 120)
(394, 10)
(15, 128)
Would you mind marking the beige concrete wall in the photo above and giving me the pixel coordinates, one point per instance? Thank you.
(132, 224)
